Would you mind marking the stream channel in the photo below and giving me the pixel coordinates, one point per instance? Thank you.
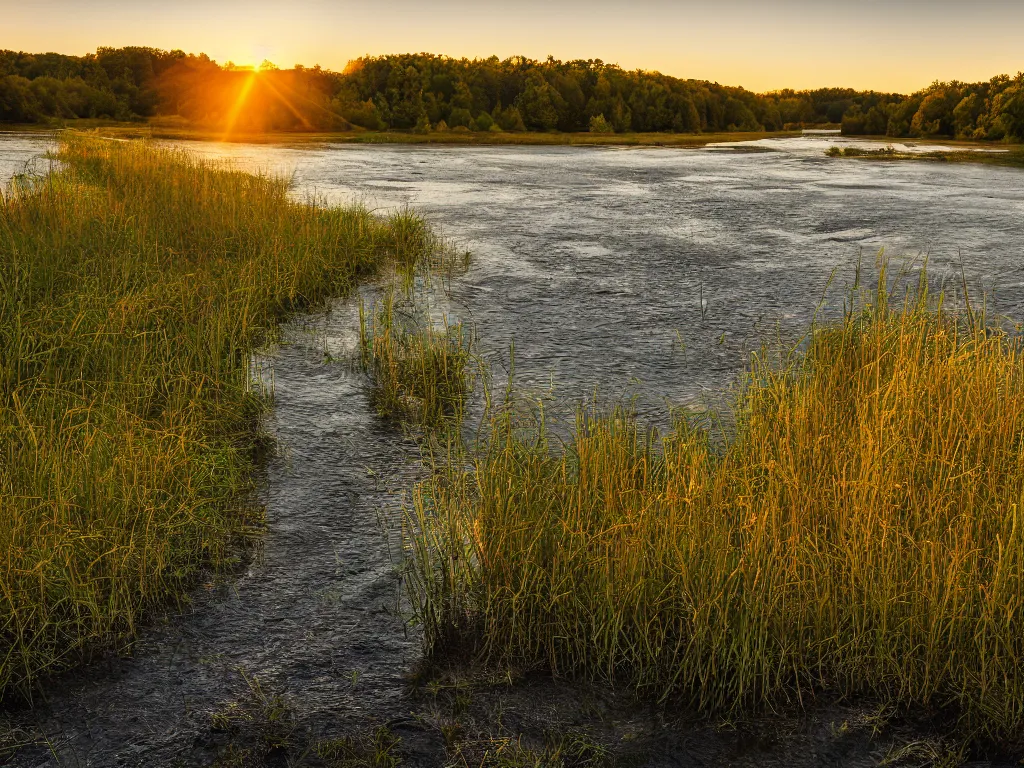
(644, 274)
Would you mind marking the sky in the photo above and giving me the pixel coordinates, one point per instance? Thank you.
(891, 45)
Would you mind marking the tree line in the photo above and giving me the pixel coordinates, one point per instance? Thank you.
(118, 84)
(988, 111)
(424, 92)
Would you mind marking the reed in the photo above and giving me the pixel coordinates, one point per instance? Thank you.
(135, 282)
(859, 531)
(420, 369)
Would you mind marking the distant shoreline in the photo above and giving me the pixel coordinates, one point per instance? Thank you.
(1010, 155)
(1007, 155)
(155, 130)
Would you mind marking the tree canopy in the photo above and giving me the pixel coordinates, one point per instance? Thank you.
(989, 111)
(426, 92)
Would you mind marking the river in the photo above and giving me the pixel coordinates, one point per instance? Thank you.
(644, 273)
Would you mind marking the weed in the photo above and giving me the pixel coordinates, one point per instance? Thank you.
(13, 738)
(924, 754)
(376, 750)
(561, 751)
(420, 373)
(261, 718)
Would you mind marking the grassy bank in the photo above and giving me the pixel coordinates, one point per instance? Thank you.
(859, 532)
(134, 284)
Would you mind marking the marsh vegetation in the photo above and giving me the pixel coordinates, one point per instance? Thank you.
(135, 283)
(847, 530)
(1013, 158)
(421, 371)
(854, 530)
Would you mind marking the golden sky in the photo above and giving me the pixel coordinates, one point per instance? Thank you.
(898, 45)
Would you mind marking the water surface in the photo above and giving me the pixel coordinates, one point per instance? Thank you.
(653, 270)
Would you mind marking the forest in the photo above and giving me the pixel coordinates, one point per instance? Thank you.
(425, 92)
(983, 111)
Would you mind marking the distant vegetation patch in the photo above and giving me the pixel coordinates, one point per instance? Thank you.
(1013, 158)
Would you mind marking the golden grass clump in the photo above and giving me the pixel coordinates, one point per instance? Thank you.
(860, 531)
(134, 284)
(420, 371)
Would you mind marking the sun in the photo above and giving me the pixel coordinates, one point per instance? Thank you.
(235, 66)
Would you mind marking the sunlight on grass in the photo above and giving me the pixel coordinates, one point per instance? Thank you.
(859, 531)
(421, 371)
(134, 284)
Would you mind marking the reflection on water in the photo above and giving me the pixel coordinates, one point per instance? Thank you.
(21, 153)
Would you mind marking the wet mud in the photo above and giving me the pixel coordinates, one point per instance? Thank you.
(643, 274)
(590, 725)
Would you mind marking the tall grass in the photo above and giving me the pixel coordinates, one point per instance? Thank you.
(421, 371)
(860, 531)
(134, 284)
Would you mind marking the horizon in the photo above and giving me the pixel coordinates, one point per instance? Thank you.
(796, 45)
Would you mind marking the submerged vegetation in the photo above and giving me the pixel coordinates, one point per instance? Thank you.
(1011, 158)
(135, 282)
(858, 532)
